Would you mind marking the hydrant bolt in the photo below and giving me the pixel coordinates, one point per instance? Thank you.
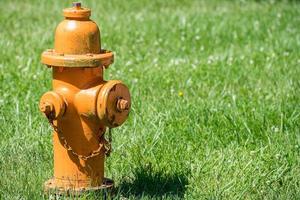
(46, 108)
(122, 105)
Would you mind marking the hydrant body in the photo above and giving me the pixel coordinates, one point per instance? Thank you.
(81, 106)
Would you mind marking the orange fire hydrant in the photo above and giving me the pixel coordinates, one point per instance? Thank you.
(81, 106)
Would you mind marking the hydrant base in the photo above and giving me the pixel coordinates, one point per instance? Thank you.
(51, 188)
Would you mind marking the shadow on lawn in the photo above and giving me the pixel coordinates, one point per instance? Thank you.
(147, 182)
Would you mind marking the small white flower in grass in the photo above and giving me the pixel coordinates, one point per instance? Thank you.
(135, 80)
(118, 72)
(214, 109)
(183, 21)
(286, 53)
(275, 129)
(129, 62)
(139, 17)
(202, 48)
(261, 49)
(234, 98)
(183, 48)
(113, 18)
(229, 61)
(251, 62)
(194, 66)
(235, 35)
(140, 40)
(279, 15)
(256, 24)
(197, 37)
(189, 82)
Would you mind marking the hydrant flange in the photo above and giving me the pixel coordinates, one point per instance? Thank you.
(51, 58)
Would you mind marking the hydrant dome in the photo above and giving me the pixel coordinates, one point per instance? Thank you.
(77, 37)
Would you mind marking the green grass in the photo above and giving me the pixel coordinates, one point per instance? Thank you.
(215, 88)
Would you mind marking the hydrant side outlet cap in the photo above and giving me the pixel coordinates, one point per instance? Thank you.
(113, 103)
(52, 103)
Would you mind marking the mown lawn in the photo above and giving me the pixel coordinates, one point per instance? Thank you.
(215, 88)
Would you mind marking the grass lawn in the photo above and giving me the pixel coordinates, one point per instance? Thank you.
(215, 88)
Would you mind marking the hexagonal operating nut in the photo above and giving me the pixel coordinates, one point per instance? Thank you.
(122, 105)
(46, 108)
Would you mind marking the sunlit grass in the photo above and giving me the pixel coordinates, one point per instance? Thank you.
(215, 88)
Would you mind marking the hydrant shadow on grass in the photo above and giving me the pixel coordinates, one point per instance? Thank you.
(156, 184)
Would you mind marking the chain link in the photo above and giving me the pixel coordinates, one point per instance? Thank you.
(109, 142)
(102, 144)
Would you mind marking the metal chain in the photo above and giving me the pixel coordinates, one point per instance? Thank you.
(103, 144)
(109, 142)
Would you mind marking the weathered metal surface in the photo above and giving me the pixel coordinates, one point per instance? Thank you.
(51, 58)
(82, 106)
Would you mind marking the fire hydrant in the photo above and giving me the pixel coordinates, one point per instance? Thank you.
(82, 106)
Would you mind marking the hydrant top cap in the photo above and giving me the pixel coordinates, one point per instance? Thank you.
(77, 11)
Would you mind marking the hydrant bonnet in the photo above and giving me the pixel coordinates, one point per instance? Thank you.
(77, 42)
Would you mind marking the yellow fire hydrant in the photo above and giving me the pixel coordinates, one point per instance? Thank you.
(81, 106)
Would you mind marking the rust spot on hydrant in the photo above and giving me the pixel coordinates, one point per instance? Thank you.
(81, 105)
